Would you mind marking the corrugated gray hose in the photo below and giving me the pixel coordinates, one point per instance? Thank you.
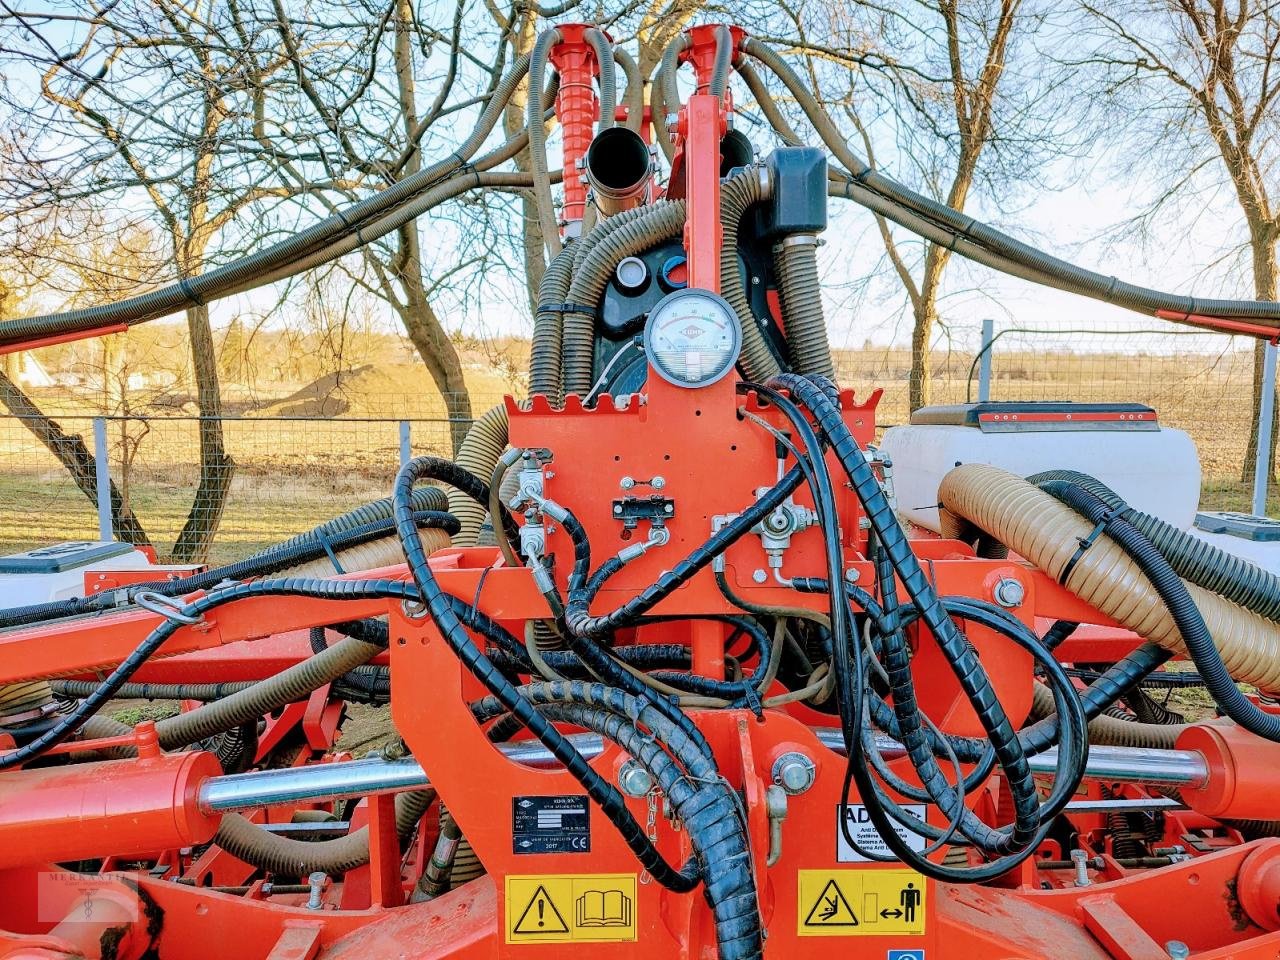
(737, 195)
(801, 296)
(1193, 559)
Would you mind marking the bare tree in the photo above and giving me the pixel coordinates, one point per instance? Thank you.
(928, 81)
(1195, 83)
(145, 102)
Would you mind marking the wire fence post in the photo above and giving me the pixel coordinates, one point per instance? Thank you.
(406, 449)
(101, 457)
(1266, 414)
(984, 364)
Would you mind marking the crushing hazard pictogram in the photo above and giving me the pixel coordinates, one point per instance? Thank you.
(831, 909)
(540, 917)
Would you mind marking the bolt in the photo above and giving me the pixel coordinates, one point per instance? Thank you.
(1081, 861)
(794, 772)
(634, 780)
(760, 576)
(852, 575)
(626, 483)
(658, 483)
(1177, 949)
(317, 881)
(1009, 592)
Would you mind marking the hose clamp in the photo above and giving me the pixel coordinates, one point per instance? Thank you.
(1085, 543)
(166, 607)
(799, 240)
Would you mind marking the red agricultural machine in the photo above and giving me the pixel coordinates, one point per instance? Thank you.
(680, 662)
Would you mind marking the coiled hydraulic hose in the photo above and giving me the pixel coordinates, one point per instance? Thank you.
(934, 616)
(700, 799)
(441, 611)
(1048, 534)
(1193, 559)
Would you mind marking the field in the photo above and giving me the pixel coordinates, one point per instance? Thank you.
(306, 451)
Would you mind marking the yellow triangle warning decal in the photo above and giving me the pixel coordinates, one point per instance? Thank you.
(541, 916)
(831, 909)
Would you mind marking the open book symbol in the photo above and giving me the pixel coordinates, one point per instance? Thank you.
(603, 908)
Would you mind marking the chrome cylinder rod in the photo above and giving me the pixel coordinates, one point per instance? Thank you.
(374, 777)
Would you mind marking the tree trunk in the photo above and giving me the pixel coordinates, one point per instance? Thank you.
(216, 467)
(1265, 273)
(920, 386)
(420, 321)
(431, 341)
(75, 457)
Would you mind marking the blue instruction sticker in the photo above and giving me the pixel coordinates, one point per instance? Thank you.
(906, 955)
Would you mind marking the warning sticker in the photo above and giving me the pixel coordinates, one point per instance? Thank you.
(866, 835)
(848, 903)
(556, 908)
(550, 825)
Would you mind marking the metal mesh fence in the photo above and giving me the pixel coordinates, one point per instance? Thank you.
(304, 464)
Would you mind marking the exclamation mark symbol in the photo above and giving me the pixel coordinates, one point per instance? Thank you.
(542, 906)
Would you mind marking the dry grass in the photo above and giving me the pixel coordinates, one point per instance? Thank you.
(294, 473)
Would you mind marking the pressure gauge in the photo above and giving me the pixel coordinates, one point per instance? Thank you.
(692, 337)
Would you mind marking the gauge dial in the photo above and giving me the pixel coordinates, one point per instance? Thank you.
(692, 338)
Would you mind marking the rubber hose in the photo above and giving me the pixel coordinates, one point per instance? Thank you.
(545, 349)
(658, 222)
(287, 686)
(424, 498)
(723, 62)
(204, 287)
(951, 527)
(1195, 560)
(801, 293)
(1048, 534)
(603, 50)
(1000, 245)
(663, 94)
(286, 857)
(1113, 732)
(538, 142)
(635, 90)
(737, 195)
(768, 106)
(383, 552)
(154, 691)
(16, 698)
(478, 454)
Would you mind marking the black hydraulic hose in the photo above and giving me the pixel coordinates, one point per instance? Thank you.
(643, 656)
(424, 498)
(964, 662)
(292, 552)
(596, 658)
(78, 689)
(1182, 608)
(579, 619)
(441, 611)
(196, 608)
(710, 814)
(1193, 559)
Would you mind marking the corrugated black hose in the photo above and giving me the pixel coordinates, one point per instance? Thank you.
(439, 607)
(1182, 608)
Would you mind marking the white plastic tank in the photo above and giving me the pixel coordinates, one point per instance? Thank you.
(1154, 468)
(56, 572)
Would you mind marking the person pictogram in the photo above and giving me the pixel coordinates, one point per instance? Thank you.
(909, 900)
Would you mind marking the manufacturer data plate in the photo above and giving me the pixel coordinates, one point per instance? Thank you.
(550, 825)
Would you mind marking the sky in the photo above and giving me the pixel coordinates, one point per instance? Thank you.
(1072, 222)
